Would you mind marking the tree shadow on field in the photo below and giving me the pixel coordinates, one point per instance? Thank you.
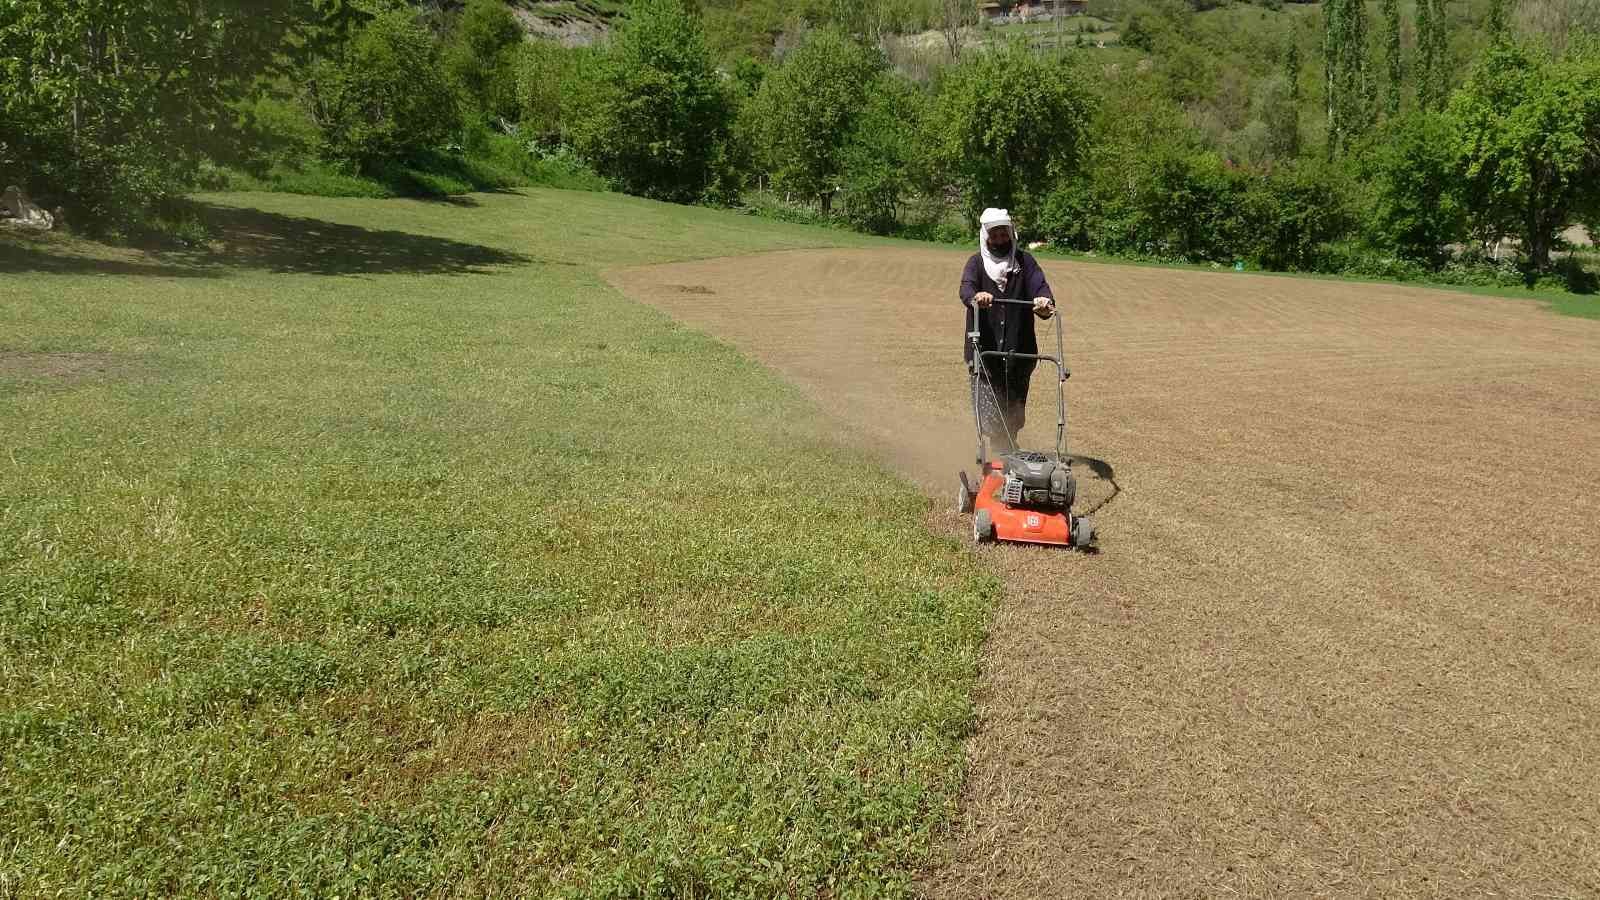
(245, 238)
(44, 255)
(254, 239)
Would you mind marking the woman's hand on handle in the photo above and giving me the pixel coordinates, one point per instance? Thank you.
(983, 299)
(1044, 307)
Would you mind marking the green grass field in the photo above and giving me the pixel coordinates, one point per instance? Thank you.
(386, 551)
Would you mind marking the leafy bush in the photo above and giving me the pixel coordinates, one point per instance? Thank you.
(106, 112)
(659, 124)
(1183, 205)
(383, 96)
(1413, 173)
(879, 154)
(1005, 125)
(807, 108)
(481, 58)
(1293, 214)
(555, 85)
(544, 165)
(769, 206)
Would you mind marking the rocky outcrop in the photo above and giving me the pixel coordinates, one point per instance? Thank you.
(17, 211)
(570, 31)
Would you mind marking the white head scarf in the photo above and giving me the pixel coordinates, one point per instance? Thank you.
(1000, 269)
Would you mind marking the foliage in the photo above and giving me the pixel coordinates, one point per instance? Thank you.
(480, 56)
(659, 124)
(1559, 22)
(1294, 214)
(1394, 64)
(1005, 124)
(1348, 84)
(555, 86)
(1530, 144)
(1150, 188)
(1432, 46)
(807, 107)
(880, 154)
(1412, 170)
(382, 96)
(108, 107)
(956, 18)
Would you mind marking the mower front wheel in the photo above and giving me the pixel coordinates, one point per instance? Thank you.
(983, 527)
(1082, 532)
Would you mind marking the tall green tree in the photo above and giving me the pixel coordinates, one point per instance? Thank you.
(1395, 64)
(880, 155)
(1349, 89)
(107, 106)
(1006, 124)
(1498, 22)
(383, 96)
(1432, 49)
(807, 107)
(481, 58)
(1415, 179)
(660, 122)
(1530, 144)
(1291, 137)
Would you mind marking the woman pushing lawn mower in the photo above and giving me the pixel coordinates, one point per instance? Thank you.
(1020, 495)
(1000, 271)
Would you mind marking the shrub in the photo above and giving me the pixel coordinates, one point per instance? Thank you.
(384, 96)
(555, 85)
(1006, 125)
(878, 155)
(481, 58)
(806, 109)
(1416, 201)
(659, 124)
(1293, 214)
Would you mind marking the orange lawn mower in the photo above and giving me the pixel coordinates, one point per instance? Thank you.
(1022, 495)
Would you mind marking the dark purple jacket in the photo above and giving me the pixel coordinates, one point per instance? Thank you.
(1004, 327)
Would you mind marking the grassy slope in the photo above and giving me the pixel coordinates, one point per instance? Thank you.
(399, 555)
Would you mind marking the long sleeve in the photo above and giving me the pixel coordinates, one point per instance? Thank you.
(1037, 285)
(969, 279)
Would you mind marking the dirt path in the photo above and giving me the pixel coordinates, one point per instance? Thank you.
(1344, 638)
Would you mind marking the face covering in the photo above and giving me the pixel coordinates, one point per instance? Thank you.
(997, 242)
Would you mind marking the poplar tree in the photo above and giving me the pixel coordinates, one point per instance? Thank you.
(1391, 21)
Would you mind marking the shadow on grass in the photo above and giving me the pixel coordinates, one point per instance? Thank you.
(48, 256)
(253, 239)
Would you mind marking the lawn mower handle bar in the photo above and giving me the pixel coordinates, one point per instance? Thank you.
(1062, 371)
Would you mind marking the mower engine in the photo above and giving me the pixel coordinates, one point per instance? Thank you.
(1037, 481)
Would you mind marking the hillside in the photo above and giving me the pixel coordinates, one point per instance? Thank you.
(572, 22)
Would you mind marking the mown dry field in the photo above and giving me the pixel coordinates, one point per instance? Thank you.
(1343, 637)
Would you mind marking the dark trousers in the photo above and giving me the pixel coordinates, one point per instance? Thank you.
(1000, 393)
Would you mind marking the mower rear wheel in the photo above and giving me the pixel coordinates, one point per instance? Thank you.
(966, 496)
(983, 527)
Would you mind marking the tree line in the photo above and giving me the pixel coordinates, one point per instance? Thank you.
(1381, 145)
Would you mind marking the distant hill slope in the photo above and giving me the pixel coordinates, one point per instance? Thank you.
(573, 22)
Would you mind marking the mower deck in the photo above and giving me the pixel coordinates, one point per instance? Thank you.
(993, 520)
